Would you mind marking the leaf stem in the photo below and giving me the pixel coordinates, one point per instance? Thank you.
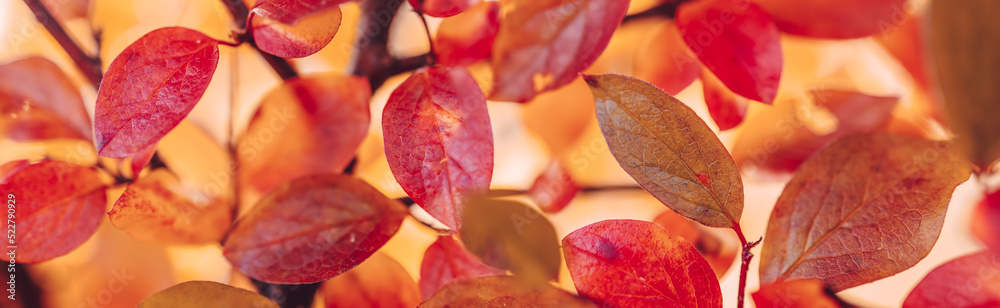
(432, 55)
(744, 263)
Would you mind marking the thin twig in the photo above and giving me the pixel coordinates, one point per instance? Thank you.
(89, 65)
(667, 9)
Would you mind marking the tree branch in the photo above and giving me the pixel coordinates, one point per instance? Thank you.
(666, 9)
(89, 65)
(371, 56)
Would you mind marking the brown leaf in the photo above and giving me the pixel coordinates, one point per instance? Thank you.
(668, 149)
(312, 229)
(969, 281)
(205, 294)
(37, 88)
(378, 282)
(965, 41)
(806, 293)
(510, 235)
(159, 209)
(862, 209)
(502, 291)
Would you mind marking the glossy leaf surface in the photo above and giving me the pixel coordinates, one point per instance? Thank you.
(438, 140)
(378, 282)
(150, 87)
(862, 209)
(205, 294)
(968, 281)
(468, 37)
(502, 291)
(446, 261)
(294, 28)
(631, 263)
(312, 229)
(510, 235)
(668, 150)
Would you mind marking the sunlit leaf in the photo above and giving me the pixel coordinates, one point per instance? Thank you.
(806, 293)
(986, 220)
(378, 282)
(311, 229)
(294, 28)
(150, 87)
(159, 209)
(668, 150)
(835, 19)
(718, 252)
(906, 42)
(205, 294)
(543, 44)
(665, 60)
(968, 281)
(446, 261)
(726, 108)
(141, 159)
(965, 41)
(308, 125)
(554, 188)
(46, 102)
(737, 41)
(502, 291)
(574, 105)
(442, 8)
(438, 140)
(631, 263)
(468, 37)
(57, 206)
(510, 235)
(862, 209)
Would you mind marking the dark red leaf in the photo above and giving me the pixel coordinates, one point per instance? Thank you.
(726, 108)
(738, 42)
(312, 229)
(447, 260)
(969, 281)
(862, 209)
(47, 102)
(159, 209)
(719, 253)
(502, 291)
(308, 125)
(57, 206)
(665, 60)
(150, 87)
(378, 282)
(554, 188)
(468, 37)
(835, 19)
(442, 8)
(294, 28)
(986, 220)
(438, 140)
(631, 263)
(806, 293)
(543, 44)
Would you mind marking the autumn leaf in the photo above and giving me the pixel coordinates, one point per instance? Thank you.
(312, 229)
(378, 282)
(205, 294)
(502, 291)
(726, 108)
(57, 207)
(554, 188)
(738, 42)
(573, 104)
(631, 263)
(716, 250)
(158, 208)
(468, 37)
(964, 40)
(968, 281)
(141, 159)
(294, 28)
(150, 87)
(510, 235)
(986, 220)
(778, 140)
(806, 293)
(862, 209)
(47, 102)
(308, 125)
(831, 19)
(906, 43)
(665, 60)
(446, 261)
(668, 150)
(543, 44)
(438, 140)
(442, 8)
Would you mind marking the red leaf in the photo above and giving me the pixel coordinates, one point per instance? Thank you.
(308, 125)
(779, 139)
(554, 188)
(447, 260)
(726, 108)
(862, 209)
(57, 206)
(631, 263)
(312, 229)
(835, 19)
(468, 37)
(442, 8)
(543, 44)
(438, 140)
(294, 28)
(150, 87)
(716, 251)
(806, 293)
(969, 281)
(37, 89)
(986, 220)
(502, 291)
(665, 60)
(737, 41)
(159, 209)
(141, 159)
(378, 282)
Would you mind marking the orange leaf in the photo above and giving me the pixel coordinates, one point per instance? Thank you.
(665, 60)
(502, 291)
(468, 37)
(968, 281)
(205, 294)
(806, 293)
(378, 282)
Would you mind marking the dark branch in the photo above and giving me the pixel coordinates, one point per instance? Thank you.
(288, 296)
(666, 9)
(89, 65)
(371, 56)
